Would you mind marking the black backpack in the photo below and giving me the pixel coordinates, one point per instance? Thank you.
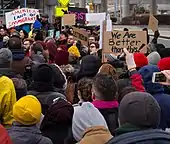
(154, 136)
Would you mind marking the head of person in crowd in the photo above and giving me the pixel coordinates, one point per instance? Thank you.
(49, 39)
(165, 53)
(57, 121)
(27, 113)
(153, 58)
(163, 64)
(44, 18)
(63, 36)
(14, 43)
(20, 87)
(42, 78)
(93, 48)
(59, 78)
(37, 53)
(109, 70)
(27, 110)
(74, 54)
(84, 88)
(5, 58)
(89, 32)
(87, 119)
(23, 34)
(52, 48)
(91, 39)
(5, 41)
(27, 45)
(70, 40)
(147, 73)
(15, 34)
(2, 31)
(89, 66)
(38, 35)
(138, 111)
(124, 92)
(140, 60)
(104, 88)
(45, 49)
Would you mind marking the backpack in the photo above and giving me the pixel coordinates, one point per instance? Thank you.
(142, 137)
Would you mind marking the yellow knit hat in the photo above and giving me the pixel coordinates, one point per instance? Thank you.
(27, 110)
(74, 51)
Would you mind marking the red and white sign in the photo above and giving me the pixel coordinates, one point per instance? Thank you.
(20, 16)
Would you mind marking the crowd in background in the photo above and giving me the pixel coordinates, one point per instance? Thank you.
(54, 90)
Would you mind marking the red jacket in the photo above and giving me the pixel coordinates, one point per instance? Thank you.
(4, 137)
(137, 81)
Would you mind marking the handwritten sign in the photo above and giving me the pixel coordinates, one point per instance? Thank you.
(134, 41)
(80, 35)
(153, 23)
(69, 19)
(80, 14)
(59, 12)
(20, 16)
(95, 18)
(64, 2)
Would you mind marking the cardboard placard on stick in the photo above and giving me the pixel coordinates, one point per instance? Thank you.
(134, 41)
(69, 19)
(153, 23)
(80, 35)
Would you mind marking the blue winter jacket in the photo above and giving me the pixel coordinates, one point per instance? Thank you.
(157, 91)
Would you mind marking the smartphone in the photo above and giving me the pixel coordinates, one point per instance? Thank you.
(158, 77)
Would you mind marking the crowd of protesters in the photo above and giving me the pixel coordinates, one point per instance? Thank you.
(54, 90)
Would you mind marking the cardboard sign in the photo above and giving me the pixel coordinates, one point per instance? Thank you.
(95, 18)
(153, 23)
(20, 16)
(134, 41)
(80, 14)
(80, 35)
(69, 19)
(59, 12)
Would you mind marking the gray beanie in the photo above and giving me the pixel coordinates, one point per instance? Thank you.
(5, 57)
(153, 58)
(86, 116)
(139, 109)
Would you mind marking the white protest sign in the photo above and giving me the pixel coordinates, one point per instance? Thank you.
(95, 18)
(108, 23)
(21, 16)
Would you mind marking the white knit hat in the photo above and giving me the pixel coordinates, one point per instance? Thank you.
(86, 116)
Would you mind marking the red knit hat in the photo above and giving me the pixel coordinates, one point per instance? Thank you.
(164, 64)
(140, 60)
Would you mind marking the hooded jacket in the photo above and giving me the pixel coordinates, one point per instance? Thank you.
(157, 91)
(27, 135)
(98, 135)
(7, 100)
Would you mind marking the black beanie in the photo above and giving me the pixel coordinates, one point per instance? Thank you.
(139, 109)
(43, 73)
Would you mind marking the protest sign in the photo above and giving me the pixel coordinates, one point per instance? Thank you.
(134, 41)
(51, 33)
(80, 14)
(69, 19)
(80, 35)
(20, 16)
(153, 23)
(95, 18)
